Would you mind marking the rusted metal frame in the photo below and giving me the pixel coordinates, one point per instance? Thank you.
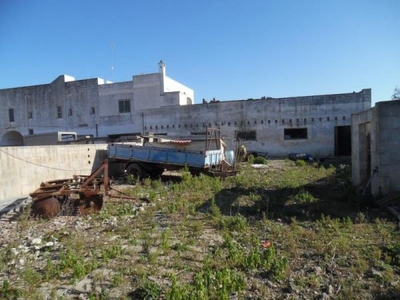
(103, 167)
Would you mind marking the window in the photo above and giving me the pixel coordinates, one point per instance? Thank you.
(295, 133)
(30, 131)
(70, 112)
(11, 115)
(59, 112)
(92, 110)
(246, 135)
(124, 106)
(30, 115)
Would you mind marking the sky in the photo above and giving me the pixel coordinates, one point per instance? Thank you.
(222, 49)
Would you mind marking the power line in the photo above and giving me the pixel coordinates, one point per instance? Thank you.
(39, 165)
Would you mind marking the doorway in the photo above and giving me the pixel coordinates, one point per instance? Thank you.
(342, 140)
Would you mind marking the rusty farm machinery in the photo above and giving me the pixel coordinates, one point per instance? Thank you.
(79, 195)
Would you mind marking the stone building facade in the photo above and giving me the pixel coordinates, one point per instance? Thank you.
(319, 125)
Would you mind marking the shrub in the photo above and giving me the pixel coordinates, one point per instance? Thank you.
(300, 163)
(251, 158)
(260, 160)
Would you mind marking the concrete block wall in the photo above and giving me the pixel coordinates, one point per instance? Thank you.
(387, 156)
(382, 124)
(22, 169)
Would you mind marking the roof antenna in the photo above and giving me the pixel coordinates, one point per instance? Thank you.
(112, 46)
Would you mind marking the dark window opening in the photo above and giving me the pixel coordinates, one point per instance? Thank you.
(70, 112)
(11, 115)
(295, 133)
(30, 115)
(92, 110)
(59, 112)
(30, 131)
(246, 135)
(124, 106)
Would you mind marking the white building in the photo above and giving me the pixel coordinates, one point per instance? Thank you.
(89, 107)
(319, 125)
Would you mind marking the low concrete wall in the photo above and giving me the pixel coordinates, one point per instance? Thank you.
(22, 169)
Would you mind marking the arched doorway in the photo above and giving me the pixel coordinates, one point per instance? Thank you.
(12, 138)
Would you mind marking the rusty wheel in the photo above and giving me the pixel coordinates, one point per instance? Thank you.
(46, 208)
(90, 205)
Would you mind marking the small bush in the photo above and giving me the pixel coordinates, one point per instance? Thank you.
(148, 290)
(251, 158)
(300, 163)
(259, 160)
(304, 197)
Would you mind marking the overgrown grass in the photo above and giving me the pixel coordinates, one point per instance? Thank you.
(245, 236)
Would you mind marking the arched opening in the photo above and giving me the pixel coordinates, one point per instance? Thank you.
(12, 138)
(189, 101)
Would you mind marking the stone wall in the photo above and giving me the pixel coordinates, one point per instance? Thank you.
(24, 168)
(268, 119)
(376, 145)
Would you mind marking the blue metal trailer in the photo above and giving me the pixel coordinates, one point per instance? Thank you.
(149, 159)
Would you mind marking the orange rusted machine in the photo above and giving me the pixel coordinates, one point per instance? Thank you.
(78, 195)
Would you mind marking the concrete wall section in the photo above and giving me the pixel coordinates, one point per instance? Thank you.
(318, 116)
(186, 95)
(387, 155)
(361, 146)
(376, 144)
(24, 168)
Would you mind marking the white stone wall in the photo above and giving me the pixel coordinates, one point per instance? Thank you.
(24, 168)
(269, 118)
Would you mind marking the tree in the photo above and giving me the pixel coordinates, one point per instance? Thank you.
(396, 94)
